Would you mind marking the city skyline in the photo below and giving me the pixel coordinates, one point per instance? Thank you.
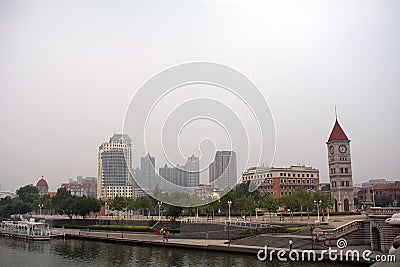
(66, 84)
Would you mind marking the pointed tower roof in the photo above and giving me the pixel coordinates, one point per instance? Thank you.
(337, 133)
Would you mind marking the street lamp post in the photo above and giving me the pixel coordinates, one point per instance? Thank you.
(40, 209)
(327, 219)
(318, 205)
(229, 210)
(373, 195)
(159, 210)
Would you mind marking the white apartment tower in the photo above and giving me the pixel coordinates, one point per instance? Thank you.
(340, 172)
(114, 164)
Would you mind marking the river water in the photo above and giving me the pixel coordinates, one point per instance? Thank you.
(69, 252)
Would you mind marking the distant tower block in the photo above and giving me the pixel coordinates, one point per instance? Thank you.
(340, 172)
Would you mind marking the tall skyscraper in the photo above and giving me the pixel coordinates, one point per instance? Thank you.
(191, 172)
(340, 172)
(147, 172)
(114, 164)
(223, 170)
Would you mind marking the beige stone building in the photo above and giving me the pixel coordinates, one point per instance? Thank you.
(280, 181)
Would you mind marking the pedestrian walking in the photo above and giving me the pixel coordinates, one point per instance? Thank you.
(290, 244)
(163, 234)
(166, 235)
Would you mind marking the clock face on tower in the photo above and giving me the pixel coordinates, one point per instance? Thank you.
(331, 149)
(342, 149)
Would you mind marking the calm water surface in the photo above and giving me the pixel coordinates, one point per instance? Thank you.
(69, 252)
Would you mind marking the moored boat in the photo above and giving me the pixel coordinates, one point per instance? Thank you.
(30, 230)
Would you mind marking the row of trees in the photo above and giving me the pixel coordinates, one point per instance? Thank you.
(28, 200)
(242, 202)
(24, 202)
(147, 204)
(301, 200)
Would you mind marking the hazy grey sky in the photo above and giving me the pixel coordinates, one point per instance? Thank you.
(68, 70)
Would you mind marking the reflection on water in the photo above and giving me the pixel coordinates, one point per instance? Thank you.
(59, 252)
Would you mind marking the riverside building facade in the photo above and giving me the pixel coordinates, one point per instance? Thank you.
(279, 181)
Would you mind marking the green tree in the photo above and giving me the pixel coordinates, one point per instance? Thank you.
(86, 205)
(327, 201)
(64, 203)
(28, 194)
(143, 203)
(9, 206)
(118, 203)
(383, 201)
(173, 212)
(270, 204)
(44, 202)
(305, 199)
(291, 203)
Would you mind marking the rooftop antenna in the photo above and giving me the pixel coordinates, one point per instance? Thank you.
(335, 113)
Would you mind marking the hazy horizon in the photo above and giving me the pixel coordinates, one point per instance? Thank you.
(69, 70)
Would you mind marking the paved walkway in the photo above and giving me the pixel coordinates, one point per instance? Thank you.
(334, 221)
(280, 241)
(249, 245)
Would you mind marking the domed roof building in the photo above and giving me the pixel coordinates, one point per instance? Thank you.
(42, 187)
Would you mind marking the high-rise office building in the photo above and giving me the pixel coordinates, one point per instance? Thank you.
(223, 170)
(148, 172)
(191, 172)
(187, 175)
(114, 164)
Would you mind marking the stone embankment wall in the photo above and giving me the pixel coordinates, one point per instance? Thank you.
(210, 231)
(59, 222)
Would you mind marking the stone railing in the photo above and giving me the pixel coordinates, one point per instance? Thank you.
(384, 211)
(342, 230)
(233, 222)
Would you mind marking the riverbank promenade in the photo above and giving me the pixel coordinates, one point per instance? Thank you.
(274, 242)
